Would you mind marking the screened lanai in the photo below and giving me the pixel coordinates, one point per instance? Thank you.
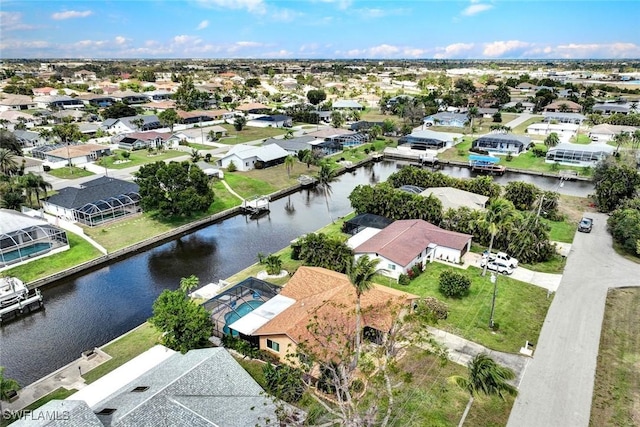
(578, 154)
(100, 211)
(23, 237)
(238, 301)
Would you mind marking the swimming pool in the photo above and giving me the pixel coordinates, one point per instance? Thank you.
(239, 312)
(25, 252)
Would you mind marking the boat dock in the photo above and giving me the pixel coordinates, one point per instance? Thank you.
(33, 301)
(307, 181)
(256, 205)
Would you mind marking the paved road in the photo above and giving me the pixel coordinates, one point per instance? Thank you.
(558, 385)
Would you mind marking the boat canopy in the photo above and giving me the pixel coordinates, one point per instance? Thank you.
(483, 159)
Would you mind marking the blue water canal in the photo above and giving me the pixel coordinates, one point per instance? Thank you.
(90, 310)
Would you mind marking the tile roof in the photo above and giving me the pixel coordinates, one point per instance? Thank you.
(264, 153)
(403, 240)
(92, 191)
(77, 150)
(252, 106)
(329, 295)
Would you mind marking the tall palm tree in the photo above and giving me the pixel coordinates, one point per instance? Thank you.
(552, 140)
(138, 123)
(8, 163)
(620, 139)
(41, 185)
(487, 377)
(635, 139)
(326, 175)
(499, 213)
(360, 273)
(289, 161)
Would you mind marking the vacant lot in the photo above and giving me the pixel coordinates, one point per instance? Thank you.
(616, 393)
(69, 173)
(248, 134)
(137, 158)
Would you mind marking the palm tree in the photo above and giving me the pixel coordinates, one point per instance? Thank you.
(471, 114)
(499, 213)
(195, 156)
(8, 163)
(635, 139)
(41, 185)
(487, 377)
(138, 123)
(289, 161)
(307, 158)
(326, 175)
(288, 134)
(212, 135)
(189, 283)
(620, 139)
(360, 273)
(552, 140)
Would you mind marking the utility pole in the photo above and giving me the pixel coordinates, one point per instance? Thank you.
(494, 280)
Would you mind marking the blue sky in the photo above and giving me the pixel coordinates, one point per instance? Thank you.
(334, 29)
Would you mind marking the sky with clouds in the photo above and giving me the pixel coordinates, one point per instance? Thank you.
(333, 29)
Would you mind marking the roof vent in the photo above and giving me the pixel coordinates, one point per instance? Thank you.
(140, 389)
(106, 411)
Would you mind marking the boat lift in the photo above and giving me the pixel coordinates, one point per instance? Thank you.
(19, 307)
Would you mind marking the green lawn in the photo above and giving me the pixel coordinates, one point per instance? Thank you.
(200, 146)
(80, 251)
(519, 313)
(581, 139)
(247, 134)
(223, 200)
(246, 186)
(137, 158)
(124, 349)
(58, 394)
(561, 231)
(522, 127)
(70, 173)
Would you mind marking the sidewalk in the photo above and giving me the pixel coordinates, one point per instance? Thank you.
(68, 377)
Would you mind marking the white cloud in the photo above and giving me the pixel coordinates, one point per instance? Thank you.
(596, 50)
(20, 45)
(252, 6)
(501, 48)
(184, 39)
(455, 50)
(120, 40)
(342, 4)
(204, 24)
(475, 8)
(12, 21)
(68, 14)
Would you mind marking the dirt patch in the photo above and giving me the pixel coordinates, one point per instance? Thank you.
(574, 207)
(616, 392)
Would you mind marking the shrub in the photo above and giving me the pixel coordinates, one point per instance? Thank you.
(432, 309)
(232, 167)
(273, 264)
(509, 157)
(403, 280)
(284, 382)
(454, 285)
(126, 154)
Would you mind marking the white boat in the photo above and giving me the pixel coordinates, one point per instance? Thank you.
(12, 290)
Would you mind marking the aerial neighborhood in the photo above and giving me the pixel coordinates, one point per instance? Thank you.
(318, 242)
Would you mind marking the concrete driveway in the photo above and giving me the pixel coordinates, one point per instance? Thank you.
(558, 384)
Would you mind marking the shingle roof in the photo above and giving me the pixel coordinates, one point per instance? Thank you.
(329, 295)
(454, 198)
(92, 191)
(402, 241)
(264, 153)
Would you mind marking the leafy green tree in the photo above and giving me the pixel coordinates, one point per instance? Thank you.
(614, 183)
(189, 98)
(320, 250)
(185, 325)
(552, 140)
(174, 189)
(239, 122)
(624, 226)
(195, 156)
(389, 127)
(316, 96)
(169, 118)
(7, 385)
(360, 273)
(487, 377)
(522, 194)
(337, 119)
(284, 382)
(497, 117)
(118, 110)
(67, 132)
(454, 285)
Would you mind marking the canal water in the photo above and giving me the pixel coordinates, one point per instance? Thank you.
(92, 309)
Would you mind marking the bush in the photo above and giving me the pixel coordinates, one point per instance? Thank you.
(509, 157)
(403, 280)
(454, 285)
(273, 264)
(232, 167)
(432, 309)
(284, 382)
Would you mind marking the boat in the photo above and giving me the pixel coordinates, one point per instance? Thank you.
(12, 290)
(486, 164)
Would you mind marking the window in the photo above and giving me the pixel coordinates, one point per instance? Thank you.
(273, 345)
(391, 266)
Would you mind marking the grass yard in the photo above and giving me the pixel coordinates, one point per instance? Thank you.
(561, 231)
(522, 127)
(276, 177)
(120, 234)
(247, 186)
(124, 349)
(58, 394)
(519, 312)
(70, 173)
(80, 251)
(581, 138)
(137, 158)
(375, 115)
(223, 200)
(247, 134)
(616, 392)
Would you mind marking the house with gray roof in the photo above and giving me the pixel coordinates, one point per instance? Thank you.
(502, 143)
(28, 138)
(346, 104)
(95, 202)
(246, 157)
(293, 145)
(444, 118)
(127, 124)
(556, 116)
(202, 388)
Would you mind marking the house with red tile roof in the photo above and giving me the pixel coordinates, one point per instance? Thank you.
(409, 242)
(330, 298)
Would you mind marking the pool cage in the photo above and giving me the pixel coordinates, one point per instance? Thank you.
(111, 208)
(238, 301)
(29, 242)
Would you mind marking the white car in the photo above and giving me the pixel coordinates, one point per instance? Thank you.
(503, 257)
(498, 266)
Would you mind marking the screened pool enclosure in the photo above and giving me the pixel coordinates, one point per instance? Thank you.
(578, 154)
(100, 211)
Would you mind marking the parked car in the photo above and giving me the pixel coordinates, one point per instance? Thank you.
(586, 224)
(497, 266)
(501, 256)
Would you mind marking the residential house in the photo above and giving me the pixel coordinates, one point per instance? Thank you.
(199, 116)
(142, 140)
(158, 95)
(502, 143)
(24, 238)
(294, 145)
(95, 202)
(275, 121)
(427, 140)
(281, 324)
(405, 243)
(197, 135)
(565, 131)
(43, 91)
(129, 97)
(85, 76)
(101, 101)
(10, 102)
(563, 106)
(158, 106)
(454, 198)
(334, 139)
(63, 115)
(247, 157)
(526, 87)
(55, 102)
(253, 108)
(525, 106)
(364, 126)
(202, 388)
(28, 138)
(606, 132)
(346, 104)
(608, 108)
(578, 154)
(18, 117)
(128, 124)
(60, 155)
(458, 120)
(556, 116)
